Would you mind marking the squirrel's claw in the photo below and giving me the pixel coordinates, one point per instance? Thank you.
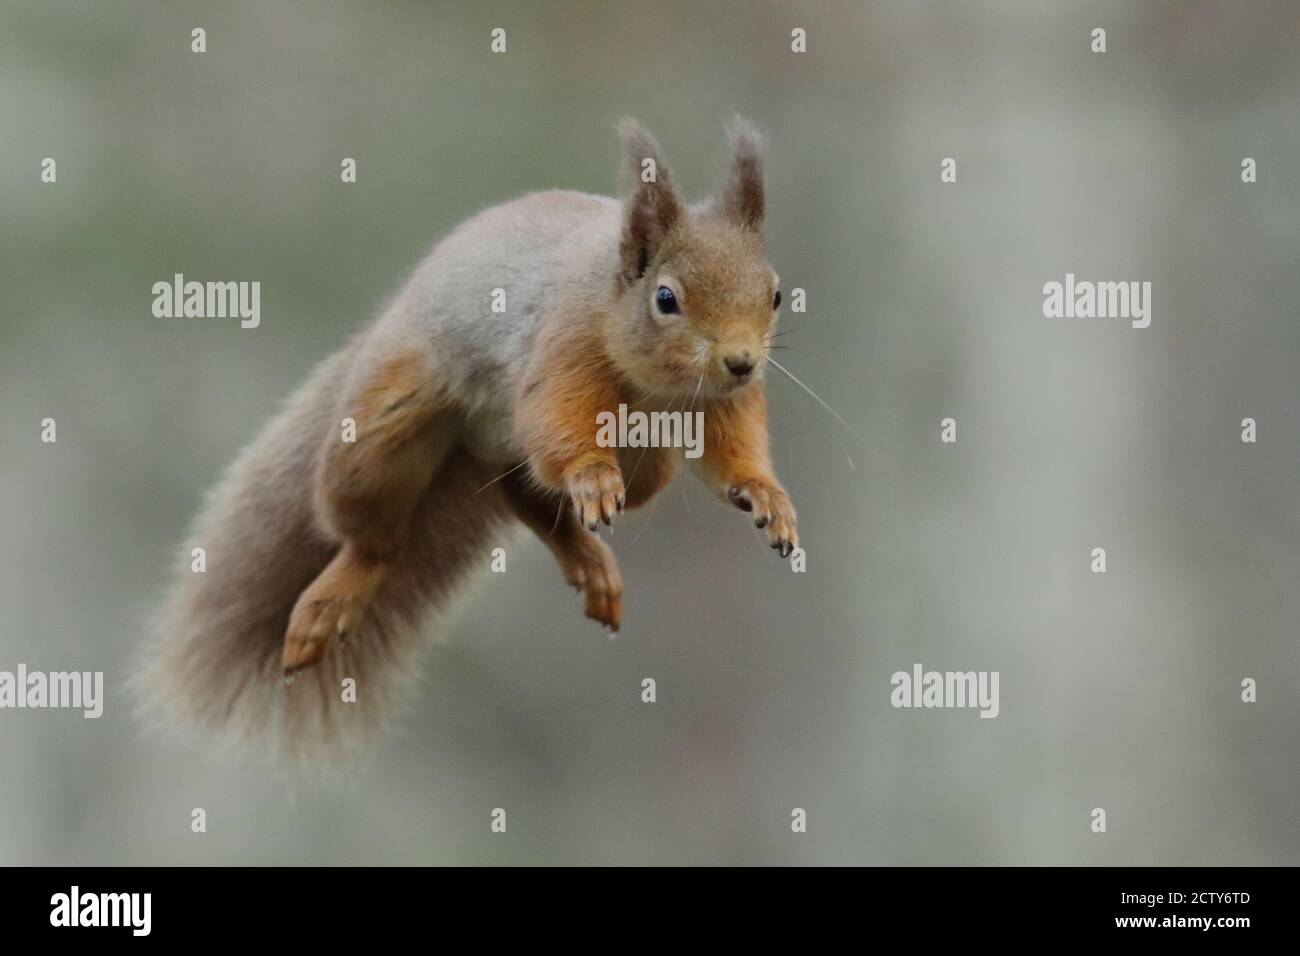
(770, 505)
(597, 493)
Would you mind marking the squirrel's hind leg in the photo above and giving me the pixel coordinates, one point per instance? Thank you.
(587, 562)
(366, 491)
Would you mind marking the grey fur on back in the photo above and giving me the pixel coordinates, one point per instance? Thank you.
(535, 248)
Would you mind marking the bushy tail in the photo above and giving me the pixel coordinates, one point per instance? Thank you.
(214, 658)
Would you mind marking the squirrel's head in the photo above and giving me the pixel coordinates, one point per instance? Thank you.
(697, 297)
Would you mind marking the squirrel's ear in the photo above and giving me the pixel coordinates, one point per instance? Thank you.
(650, 204)
(742, 199)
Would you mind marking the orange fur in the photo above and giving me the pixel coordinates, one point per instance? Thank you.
(735, 441)
(737, 463)
(369, 487)
(556, 419)
(368, 490)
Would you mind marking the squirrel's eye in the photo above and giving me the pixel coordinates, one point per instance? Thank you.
(666, 301)
(776, 300)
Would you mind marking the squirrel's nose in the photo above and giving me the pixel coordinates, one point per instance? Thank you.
(739, 365)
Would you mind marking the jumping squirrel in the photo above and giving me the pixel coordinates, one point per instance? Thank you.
(326, 556)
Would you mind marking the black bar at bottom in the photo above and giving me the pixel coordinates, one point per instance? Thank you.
(217, 905)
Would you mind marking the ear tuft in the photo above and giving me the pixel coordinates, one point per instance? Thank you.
(650, 204)
(641, 158)
(743, 198)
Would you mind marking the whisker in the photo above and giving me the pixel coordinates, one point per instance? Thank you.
(503, 474)
(654, 503)
(820, 401)
(628, 484)
(698, 386)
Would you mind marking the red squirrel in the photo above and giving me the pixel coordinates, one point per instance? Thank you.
(326, 556)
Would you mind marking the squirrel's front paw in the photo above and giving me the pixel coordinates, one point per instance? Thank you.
(597, 493)
(771, 508)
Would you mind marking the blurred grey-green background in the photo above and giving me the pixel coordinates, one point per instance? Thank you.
(1119, 690)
